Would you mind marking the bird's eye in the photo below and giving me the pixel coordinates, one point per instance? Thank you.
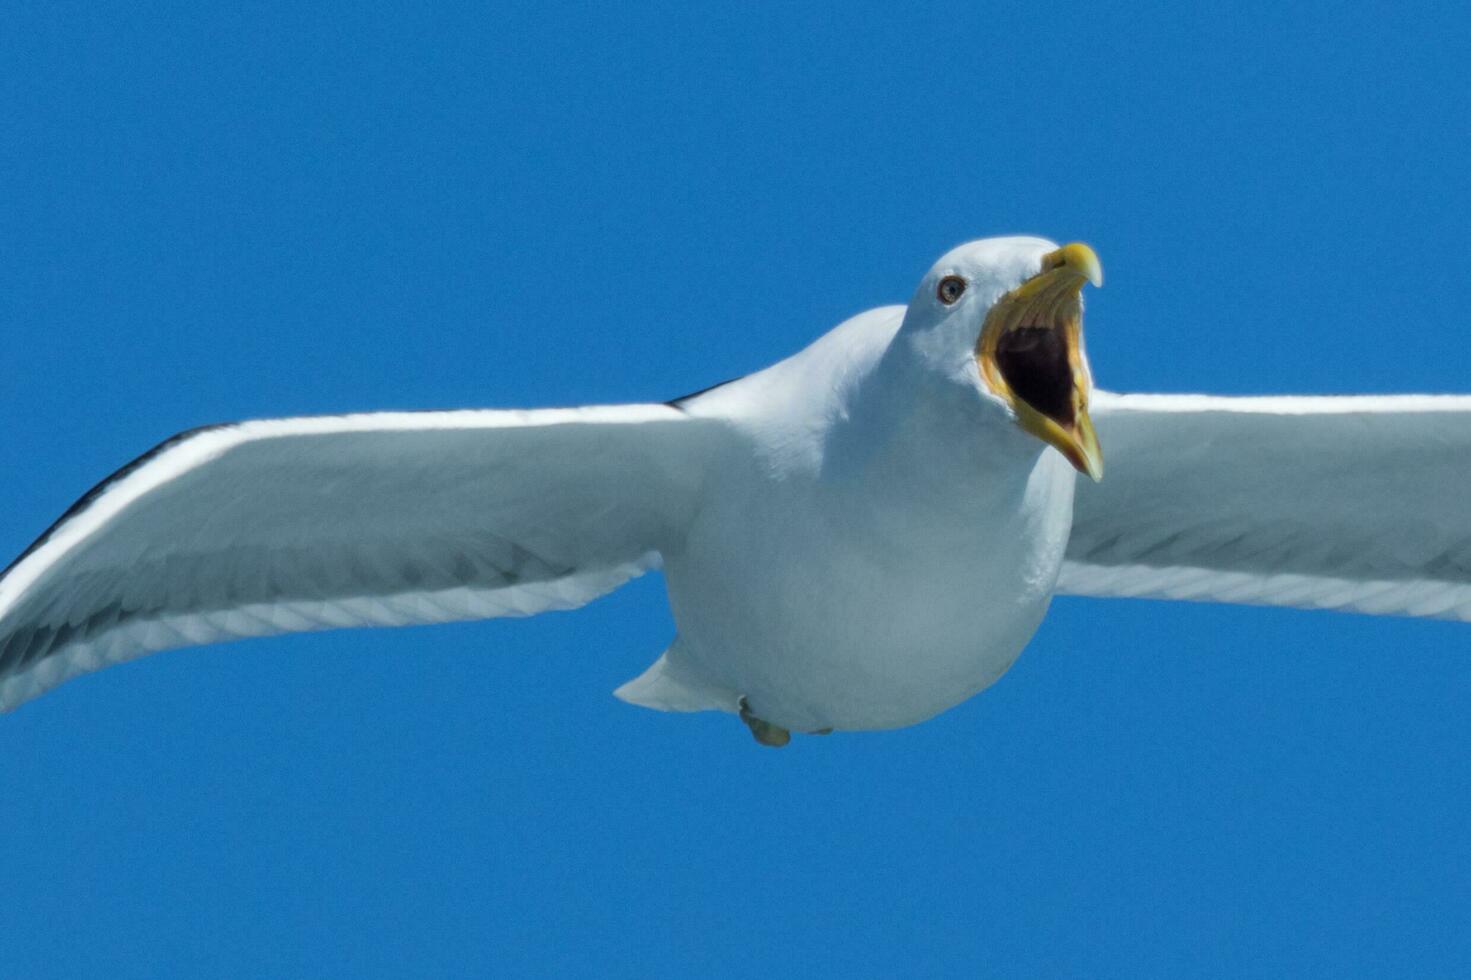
(950, 289)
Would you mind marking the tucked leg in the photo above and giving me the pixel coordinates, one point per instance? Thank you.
(764, 731)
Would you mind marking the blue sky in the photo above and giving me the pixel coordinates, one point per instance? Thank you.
(213, 213)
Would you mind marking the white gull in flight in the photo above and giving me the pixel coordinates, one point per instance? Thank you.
(857, 537)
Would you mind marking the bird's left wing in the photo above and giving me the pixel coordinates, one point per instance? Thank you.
(281, 525)
(1359, 503)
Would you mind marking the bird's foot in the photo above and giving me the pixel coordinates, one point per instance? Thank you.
(763, 731)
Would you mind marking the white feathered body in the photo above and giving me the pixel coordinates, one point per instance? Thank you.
(879, 550)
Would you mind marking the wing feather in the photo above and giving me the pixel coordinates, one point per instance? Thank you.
(1357, 503)
(283, 525)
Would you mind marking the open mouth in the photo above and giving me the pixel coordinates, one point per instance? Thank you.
(1035, 363)
(1030, 354)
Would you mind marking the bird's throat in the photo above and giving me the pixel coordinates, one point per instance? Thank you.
(1035, 364)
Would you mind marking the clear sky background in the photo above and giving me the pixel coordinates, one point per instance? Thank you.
(208, 214)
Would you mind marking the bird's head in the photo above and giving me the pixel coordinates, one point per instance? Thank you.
(1005, 316)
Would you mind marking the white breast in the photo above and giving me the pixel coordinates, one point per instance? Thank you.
(874, 597)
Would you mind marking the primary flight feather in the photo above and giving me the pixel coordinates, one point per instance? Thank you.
(860, 536)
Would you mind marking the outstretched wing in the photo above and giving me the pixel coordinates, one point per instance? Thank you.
(1359, 503)
(282, 525)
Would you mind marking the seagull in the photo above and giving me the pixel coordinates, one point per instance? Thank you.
(857, 537)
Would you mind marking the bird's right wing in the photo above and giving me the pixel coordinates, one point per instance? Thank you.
(282, 525)
(1358, 503)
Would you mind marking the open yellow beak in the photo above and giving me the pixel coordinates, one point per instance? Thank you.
(1030, 354)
